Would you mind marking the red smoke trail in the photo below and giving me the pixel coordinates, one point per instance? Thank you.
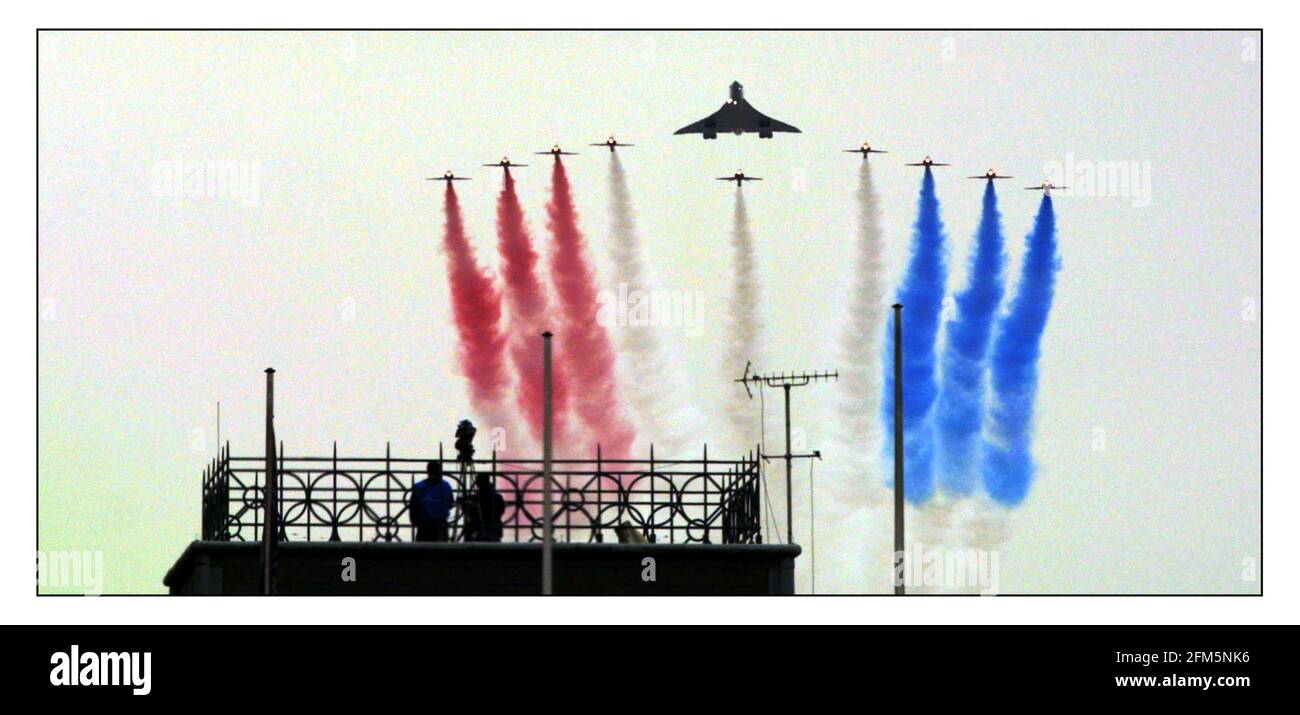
(584, 348)
(476, 306)
(530, 313)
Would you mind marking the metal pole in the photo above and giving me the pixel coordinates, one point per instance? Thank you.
(270, 504)
(789, 481)
(812, 528)
(899, 545)
(547, 437)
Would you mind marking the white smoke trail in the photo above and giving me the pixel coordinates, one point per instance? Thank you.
(859, 405)
(859, 521)
(646, 379)
(977, 530)
(986, 526)
(929, 528)
(744, 327)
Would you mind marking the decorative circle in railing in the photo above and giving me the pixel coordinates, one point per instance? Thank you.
(385, 485)
(386, 528)
(663, 504)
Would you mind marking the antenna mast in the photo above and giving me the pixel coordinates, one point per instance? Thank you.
(785, 381)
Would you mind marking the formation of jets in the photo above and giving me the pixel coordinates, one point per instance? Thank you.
(738, 116)
(865, 149)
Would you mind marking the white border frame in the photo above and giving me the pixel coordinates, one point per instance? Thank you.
(19, 604)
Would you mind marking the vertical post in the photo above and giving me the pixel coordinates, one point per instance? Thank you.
(722, 502)
(203, 502)
(388, 492)
(270, 502)
(600, 495)
(280, 535)
(547, 438)
(899, 544)
(759, 492)
(812, 529)
(789, 480)
(649, 530)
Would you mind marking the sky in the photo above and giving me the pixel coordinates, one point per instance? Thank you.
(155, 302)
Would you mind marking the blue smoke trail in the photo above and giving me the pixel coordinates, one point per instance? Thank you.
(921, 294)
(1008, 461)
(959, 412)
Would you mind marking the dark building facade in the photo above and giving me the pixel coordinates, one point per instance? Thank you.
(474, 569)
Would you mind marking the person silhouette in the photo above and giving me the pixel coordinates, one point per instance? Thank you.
(483, 511)
(430, 505)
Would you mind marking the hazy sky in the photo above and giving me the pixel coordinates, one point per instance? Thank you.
(156, 303)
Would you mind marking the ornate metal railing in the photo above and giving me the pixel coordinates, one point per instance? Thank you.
(366, 499)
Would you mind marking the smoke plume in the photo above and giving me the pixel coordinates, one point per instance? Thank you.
(640, 343)
(921, 294)
(744, 327)
(530, 314)
(584, 348)
(476, 308)
(860, 396)
(856, 533)
(959, 411)
(1008, 460)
